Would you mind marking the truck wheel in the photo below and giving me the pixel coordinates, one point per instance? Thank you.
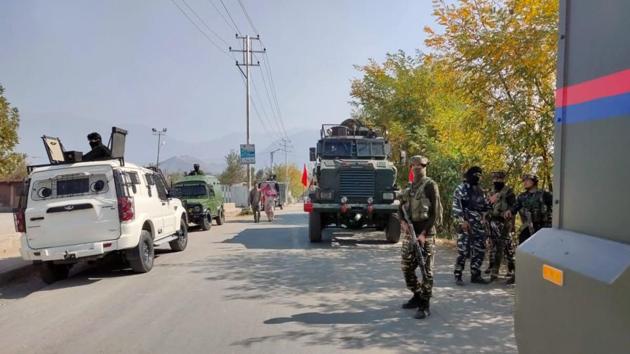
(182, 238)
(206, 222)
(51, 272)
(315, 226)
(221, 217)
(141, 257)
(392, 230)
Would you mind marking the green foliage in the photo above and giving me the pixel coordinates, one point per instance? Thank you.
(294, 176)
(483, 95)
(234, 172)
(12, 165)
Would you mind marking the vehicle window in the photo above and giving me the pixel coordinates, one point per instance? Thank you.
(190, 190)
(72, 185)
(378, 149)
(149, 178)
(161, 187)
(133, 177)
(363, 149)
(338, 148)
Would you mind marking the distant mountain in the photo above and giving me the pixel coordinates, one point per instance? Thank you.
(184, 163)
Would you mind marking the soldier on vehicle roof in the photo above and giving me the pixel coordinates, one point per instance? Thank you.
(99, 151)
(196, 171)
(422, 200)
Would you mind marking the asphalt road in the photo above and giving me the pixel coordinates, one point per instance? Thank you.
(259, 288)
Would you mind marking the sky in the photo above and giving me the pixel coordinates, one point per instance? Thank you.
(73, 66)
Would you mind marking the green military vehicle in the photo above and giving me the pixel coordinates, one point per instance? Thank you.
(202, 197)
(355, 182)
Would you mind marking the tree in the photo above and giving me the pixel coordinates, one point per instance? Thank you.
(234, 172)
(12, 165)
(503, 53)
(294, 176)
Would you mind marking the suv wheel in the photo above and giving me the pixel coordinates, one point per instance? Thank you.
(141, 257)
(315, 226)
(206, 222)
(392, 230)
(182, 238)
(51, 272)
(221, 217)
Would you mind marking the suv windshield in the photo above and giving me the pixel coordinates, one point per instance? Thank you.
(190, 190)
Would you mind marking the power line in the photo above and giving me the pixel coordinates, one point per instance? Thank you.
(204, 23)
(249, 19)
(201, 30)
(222, 16)
(230, 16)
(270, 120)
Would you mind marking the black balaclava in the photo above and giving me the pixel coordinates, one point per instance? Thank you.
(470, 175)
(498, 186)
(94, 139)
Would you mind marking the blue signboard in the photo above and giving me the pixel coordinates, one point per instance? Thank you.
(248, 154)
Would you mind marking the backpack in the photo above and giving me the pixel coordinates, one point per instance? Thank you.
(420, 204)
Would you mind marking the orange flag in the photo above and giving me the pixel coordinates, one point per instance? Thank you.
(304, 177)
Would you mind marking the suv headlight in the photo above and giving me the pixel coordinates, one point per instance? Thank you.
(327, 195)
(388, 196)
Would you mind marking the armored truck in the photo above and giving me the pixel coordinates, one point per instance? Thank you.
(354, 182)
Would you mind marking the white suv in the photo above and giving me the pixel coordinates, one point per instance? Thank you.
(85, 210)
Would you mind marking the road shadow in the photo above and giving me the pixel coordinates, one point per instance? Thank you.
(81, 274)
(348, 292)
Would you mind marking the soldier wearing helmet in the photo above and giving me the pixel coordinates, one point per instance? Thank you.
(534, 207)
(422, 202)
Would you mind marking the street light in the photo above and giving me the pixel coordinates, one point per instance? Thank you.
(159, 134)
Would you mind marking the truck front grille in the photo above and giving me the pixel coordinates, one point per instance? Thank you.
(356, 183)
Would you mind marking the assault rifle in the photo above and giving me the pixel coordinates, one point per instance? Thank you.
(527, 221)
(418, 250)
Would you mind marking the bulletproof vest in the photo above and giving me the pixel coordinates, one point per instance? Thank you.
(501, 206)
(537, 208)
(420, 204)
(474, 200)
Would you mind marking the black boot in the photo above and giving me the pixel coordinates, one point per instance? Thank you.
(413, 303)
(423, 310)
(477, 279)
(458, 280)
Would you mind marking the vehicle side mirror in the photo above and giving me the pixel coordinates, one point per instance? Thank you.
(312, 154)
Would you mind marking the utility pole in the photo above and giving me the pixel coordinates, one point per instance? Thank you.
(159, 134)
(247, 62)
(284, 142)
(271, 153)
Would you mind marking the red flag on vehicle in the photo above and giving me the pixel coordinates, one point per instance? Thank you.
(304, 177)
(411, 175)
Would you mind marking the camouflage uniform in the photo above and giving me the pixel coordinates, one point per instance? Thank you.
(469, 204)
(534, 207)
(409, 263)
(500, 231)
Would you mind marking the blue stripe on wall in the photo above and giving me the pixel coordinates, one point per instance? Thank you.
(603, 108)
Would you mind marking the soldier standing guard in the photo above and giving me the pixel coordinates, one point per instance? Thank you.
(469, 204)
(422, 200)
(502, 200)
(534, 207)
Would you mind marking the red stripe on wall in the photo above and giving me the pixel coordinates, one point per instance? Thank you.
(609, 85)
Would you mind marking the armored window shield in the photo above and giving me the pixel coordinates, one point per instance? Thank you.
(54, 149)
(117, 143)
(338, 148)
(66, 186)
